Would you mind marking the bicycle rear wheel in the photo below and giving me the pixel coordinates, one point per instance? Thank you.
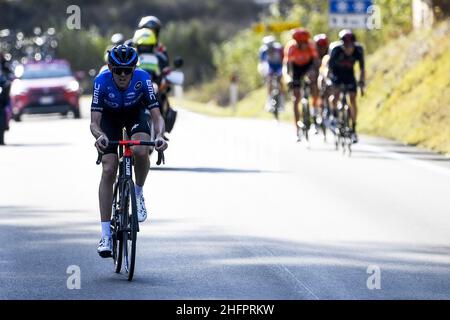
(347, 131)
(276, 101)
(306, 118)
(130, 228)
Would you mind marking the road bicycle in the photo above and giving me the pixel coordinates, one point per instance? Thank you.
(305, 123)
(276, 99)
(343, 131)
(124, 221)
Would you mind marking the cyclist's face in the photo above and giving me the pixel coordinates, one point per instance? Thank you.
(349, 49)
(322, 50)
(122, 76)
(302, 45)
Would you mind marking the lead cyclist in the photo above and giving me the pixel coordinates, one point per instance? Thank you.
(122, 94)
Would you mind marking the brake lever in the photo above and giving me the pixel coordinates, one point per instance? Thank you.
(161, 158)
(99, 158)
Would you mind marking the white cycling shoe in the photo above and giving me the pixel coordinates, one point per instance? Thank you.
(141, 210)
(105, 247)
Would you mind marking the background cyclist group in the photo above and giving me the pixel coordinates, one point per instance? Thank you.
(327, 66)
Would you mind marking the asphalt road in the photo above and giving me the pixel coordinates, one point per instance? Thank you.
(240, 211)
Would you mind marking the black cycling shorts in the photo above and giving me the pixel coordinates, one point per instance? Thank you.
(299, 72)
(345, 79)
(134, 121)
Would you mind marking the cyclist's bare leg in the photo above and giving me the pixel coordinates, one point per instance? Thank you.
(110, 163)
(353, 109)
(141, 158)
(334, 98)
(269, 84)
(296, 92)
(313, 75)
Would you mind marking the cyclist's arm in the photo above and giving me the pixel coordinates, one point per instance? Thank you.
(158, 122)
(333, 59)
(315, 55)
(150, 101)
(96, 119)
(262, 55)
(362, 66)
(96, 111)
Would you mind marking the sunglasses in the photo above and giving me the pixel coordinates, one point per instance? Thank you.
(125, 70)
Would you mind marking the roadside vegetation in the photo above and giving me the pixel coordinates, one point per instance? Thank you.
(408, 77)
(408, 93)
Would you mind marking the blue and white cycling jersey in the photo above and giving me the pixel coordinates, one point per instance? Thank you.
(274, 58)
(139, 94)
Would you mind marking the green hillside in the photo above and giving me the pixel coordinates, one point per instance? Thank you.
(408, 96)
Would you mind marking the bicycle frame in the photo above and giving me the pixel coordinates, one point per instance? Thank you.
(126, 168)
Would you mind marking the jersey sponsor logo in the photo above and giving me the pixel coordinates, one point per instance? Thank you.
(138, 85)
(111, 104)
(135, 101)
(128, 167)
(96, 92)
(150, 90)
(111, 95)
(131, 95)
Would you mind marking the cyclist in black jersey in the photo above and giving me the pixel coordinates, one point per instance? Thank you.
(344, 55)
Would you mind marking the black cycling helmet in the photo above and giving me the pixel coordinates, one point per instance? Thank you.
(123, 56)
(150, 22)
(347, 36)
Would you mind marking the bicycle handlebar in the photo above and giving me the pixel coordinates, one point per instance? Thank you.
(130, 143)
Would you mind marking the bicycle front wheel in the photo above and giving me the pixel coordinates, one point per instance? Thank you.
(130, 226)
(115, 229)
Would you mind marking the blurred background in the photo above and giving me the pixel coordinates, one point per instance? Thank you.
(219, 42)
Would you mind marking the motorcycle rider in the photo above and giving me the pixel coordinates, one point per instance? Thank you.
(154, 24)
(150, 59)
(157, 65)
(6, 77)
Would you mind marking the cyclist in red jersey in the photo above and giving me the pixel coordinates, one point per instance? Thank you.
(301, 59)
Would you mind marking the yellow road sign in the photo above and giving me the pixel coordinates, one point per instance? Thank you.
(275, 27)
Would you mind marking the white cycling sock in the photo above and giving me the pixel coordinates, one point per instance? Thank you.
(106, 230)
(139, 190)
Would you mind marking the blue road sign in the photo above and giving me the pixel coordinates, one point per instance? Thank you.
(349, 13)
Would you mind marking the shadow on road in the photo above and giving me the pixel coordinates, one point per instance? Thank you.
(37, 145)
(208, 170)
(206, 262)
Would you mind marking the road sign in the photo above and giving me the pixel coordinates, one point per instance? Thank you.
(275, 27)
(350, 14)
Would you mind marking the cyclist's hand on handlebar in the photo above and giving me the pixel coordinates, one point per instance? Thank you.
(102, 143)
(161, 144)
(362, 84)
